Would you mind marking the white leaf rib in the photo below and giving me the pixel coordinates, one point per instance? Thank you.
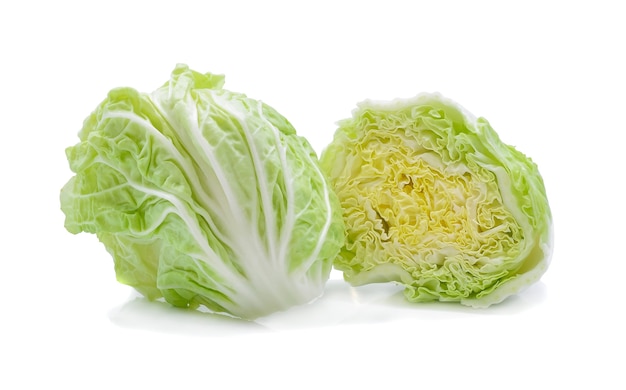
(192, 141)
(288, 218)
(262, 181)
(246, 244)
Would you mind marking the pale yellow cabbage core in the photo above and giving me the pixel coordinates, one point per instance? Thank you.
(422, 213)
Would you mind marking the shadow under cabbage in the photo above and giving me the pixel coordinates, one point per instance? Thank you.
(159, 316)
(341, 304)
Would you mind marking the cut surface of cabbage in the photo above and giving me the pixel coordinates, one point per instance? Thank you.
(433, 200)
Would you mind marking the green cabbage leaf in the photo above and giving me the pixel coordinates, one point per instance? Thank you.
(204, 197)
(433, 200)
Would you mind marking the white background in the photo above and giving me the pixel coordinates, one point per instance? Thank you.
(549, 76)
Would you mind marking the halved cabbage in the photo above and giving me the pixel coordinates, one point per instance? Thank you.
(432, 199)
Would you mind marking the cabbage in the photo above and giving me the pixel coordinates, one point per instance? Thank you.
(204, 197)
(433, 200)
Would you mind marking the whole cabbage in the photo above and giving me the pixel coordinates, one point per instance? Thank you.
(204, 197)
